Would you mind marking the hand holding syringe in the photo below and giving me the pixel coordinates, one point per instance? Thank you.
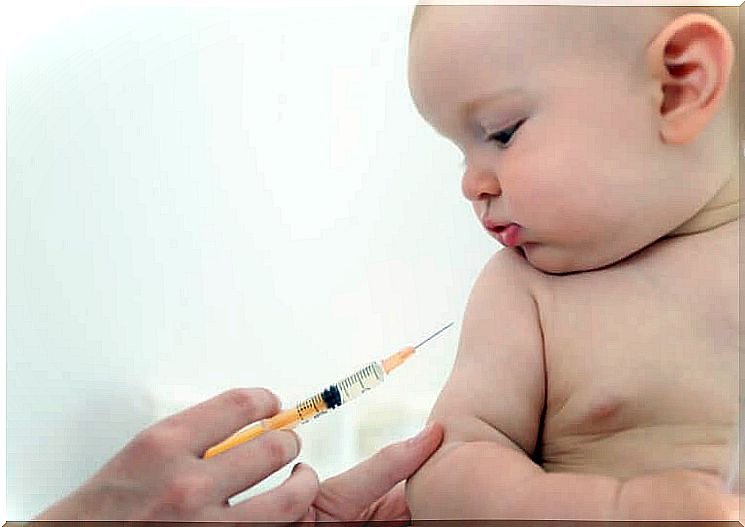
(335, 395)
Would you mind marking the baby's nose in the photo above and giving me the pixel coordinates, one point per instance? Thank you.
(479, 184)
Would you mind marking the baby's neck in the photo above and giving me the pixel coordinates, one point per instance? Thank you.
(723, 208)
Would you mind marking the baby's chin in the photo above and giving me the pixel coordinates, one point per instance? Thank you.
(562, 260)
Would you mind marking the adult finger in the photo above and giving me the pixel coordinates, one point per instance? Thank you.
(217, 418)
(288, 502)
(245, 465)
(361, 485)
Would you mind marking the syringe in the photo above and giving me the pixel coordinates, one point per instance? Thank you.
(335, 395)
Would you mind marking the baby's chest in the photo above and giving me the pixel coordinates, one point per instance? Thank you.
(625, 350)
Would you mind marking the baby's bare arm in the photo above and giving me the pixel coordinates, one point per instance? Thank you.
(489, 481)
(486, 480)
(491, 408)
(492, 403)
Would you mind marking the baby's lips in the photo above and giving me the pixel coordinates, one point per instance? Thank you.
(492, 225)
(509, 235)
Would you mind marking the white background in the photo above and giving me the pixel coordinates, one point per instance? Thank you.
(200, 199)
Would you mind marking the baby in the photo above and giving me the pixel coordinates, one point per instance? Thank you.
(597, 370)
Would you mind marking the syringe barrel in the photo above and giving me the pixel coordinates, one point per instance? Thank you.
(361, 381)
(335, 395)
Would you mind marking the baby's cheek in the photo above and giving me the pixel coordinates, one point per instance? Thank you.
(560, 193)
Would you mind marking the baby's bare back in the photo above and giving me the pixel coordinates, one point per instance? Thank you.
(641, 360)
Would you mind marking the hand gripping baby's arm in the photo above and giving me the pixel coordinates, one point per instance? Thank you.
(491, 408)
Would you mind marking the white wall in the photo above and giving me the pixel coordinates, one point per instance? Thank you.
(202, 199)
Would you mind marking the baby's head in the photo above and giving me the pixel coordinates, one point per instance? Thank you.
(597, 130)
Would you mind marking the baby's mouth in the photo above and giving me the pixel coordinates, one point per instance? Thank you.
(507, 234)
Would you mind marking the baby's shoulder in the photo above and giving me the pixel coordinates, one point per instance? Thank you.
(507, 262)
(509, 269)
(505, 290)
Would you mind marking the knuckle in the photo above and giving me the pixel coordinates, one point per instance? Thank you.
(277, 450)
(249, 401)
(290, 503)
(391, 459)
(269, 395)
(187, 493)
(242, 399)
(158, 440)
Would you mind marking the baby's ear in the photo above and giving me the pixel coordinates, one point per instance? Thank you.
(690, 60)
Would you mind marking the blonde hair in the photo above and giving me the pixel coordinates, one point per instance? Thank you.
(616, 29)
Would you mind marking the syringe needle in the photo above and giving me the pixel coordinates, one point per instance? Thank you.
(398, 358)
(433, 335)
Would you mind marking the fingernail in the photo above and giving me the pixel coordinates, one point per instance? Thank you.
(426, 430)
(273, 395)
(295, 441)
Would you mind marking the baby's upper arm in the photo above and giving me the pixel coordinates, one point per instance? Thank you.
(496, 390)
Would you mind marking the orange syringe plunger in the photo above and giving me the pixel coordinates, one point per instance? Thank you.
(285, 419)
(397, 359)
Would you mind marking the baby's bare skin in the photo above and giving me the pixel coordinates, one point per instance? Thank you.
(596, 374)
(610, 381)
(639, 360)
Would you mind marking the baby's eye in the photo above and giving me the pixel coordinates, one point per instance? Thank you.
(504, 137)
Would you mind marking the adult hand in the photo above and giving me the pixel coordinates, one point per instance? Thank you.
(374, 489)
(160, 474)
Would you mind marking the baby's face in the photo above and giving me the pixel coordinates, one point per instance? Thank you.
(557, 138)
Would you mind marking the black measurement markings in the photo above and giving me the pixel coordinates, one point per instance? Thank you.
(315, 402)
